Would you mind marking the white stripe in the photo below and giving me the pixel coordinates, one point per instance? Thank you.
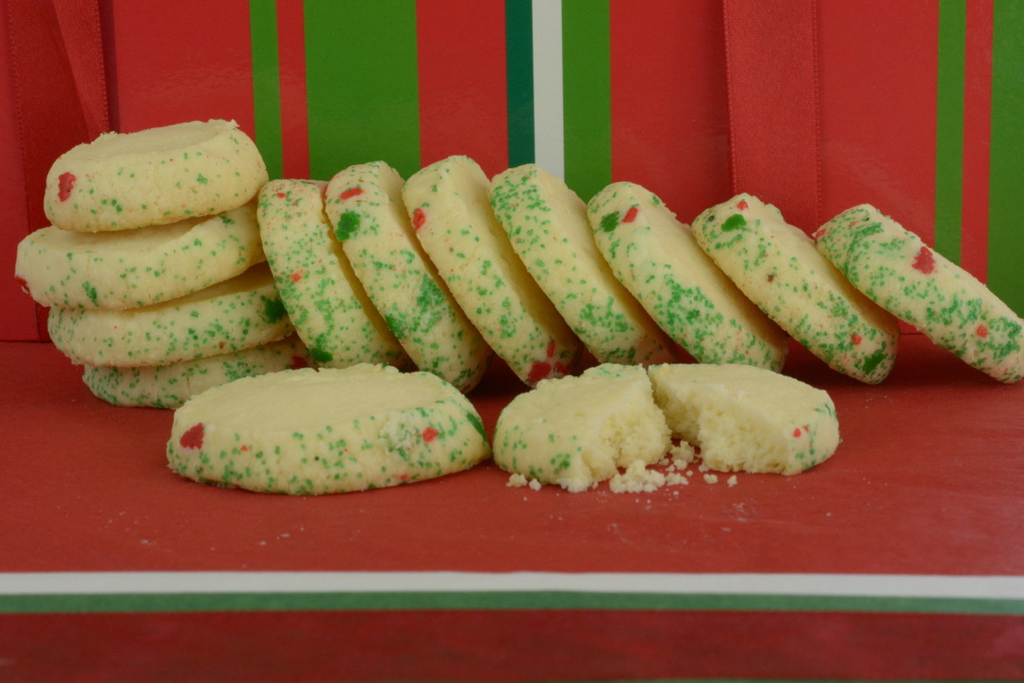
(549, 127)
(829, 585)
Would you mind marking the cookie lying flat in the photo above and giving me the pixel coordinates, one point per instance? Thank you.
(169, 386)
(153, 177)
(657, 259)
(237, 314)
(745, 418)
(327, 304)
(448, 206)
(777, 266)
(894, 268)
(578, 431)
(546, 223)
(133, 268)
(308, 432)
(364, 205)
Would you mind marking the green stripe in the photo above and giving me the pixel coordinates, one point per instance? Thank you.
(586, 66)
(519, 75)
(362, 84)
(1006, 178)
(949, 148)
(553, 600)
(266, 89)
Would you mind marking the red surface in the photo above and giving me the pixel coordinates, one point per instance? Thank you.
(929, 479)
(291, 47)
(516, 645)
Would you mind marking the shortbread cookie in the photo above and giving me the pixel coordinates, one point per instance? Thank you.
(237, 314)
(153, 177)
(169, 386)
(133, 268)
(546, 223)
(309, 432)
(326, 302)
(448, 206)
(657, 259)
(898, 271)
(776, 265)
(364, 205)
(578, 431)
(744, 418)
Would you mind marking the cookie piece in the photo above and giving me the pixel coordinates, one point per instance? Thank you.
(364, 205)
(898, 271)
(326, 302)
(657, 259)
(133, 268)
(237, 314)
(153, 177)
(546, 223)
(449, 210)
(309, 432)
(578, 431)
(169, 386)
(778, 268)
(745, 418)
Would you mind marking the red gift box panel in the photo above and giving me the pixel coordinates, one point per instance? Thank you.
(815, 105)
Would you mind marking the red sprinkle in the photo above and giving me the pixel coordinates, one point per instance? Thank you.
(418, 218)
(856, 339)
(743, 206)
(351, 192)
(630, 215)
(429, 434)
(282, 195)
(924, 261)
(981, 331)
(798, 431)
(539, 371)
(193, 437)
(65, 183)
(296, 277)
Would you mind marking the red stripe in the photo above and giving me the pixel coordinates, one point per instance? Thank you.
(291, 46)
(878, 93)
(668, 102)
(773, 104)
(977, 138)
(462, 96)
(196, 66)
(510, 645)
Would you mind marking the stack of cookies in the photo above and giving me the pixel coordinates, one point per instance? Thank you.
(153, 268)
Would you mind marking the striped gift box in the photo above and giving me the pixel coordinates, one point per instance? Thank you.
(815, 105)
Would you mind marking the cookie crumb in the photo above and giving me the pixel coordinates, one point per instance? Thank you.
(711, 478)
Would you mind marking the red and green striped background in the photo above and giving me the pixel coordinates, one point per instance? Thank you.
(919, 103)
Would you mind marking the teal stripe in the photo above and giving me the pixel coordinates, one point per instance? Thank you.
(553, 600)
(362, 84)
(519, 76)
(949, 148)
(266, 88)
(1006, 171)
(586, 74)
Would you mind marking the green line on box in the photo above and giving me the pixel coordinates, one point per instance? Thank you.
(266, 87)
(362, 84)
(586, 65)
(519, 75)
(949, 143)
(1005, 236)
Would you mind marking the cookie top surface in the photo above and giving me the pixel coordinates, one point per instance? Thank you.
(365, 207)
(449, 210)
(547, 225)
(326, 431)
(326, 302)
(778, 267)
(133, 268)
(656, 257)
(155, 176)
(897, 270)
(745, 418)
